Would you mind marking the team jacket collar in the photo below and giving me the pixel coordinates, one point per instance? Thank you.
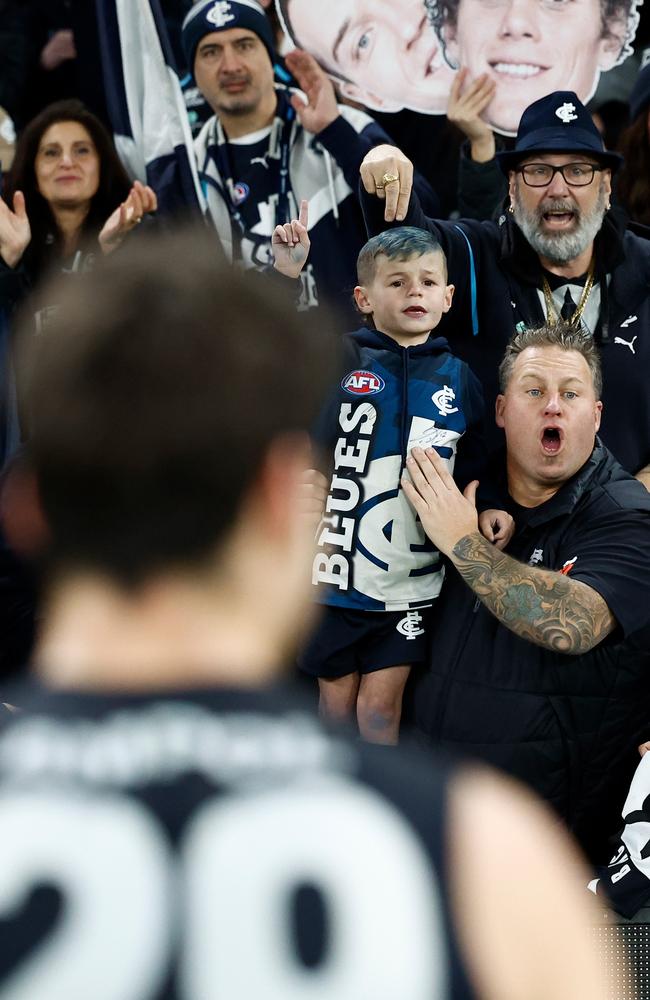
(369, 337)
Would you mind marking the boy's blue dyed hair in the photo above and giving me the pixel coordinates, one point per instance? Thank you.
(400, 243)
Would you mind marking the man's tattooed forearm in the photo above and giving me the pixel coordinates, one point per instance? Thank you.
(540, 605)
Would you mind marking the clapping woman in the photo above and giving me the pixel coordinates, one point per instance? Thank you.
(66, 199)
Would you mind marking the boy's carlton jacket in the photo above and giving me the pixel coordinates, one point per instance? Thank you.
(373, 554)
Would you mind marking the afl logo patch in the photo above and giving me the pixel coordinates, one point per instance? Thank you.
(362, 383)
(240, 192)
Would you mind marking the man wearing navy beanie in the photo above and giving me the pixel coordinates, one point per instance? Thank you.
(209, 16)
(265, 149)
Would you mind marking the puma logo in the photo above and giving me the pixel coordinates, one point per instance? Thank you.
(628, 343)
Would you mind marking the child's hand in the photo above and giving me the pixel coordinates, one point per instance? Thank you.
(290, 244)
(497, 526)
(644, 747)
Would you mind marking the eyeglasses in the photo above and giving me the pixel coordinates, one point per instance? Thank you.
(538, 175)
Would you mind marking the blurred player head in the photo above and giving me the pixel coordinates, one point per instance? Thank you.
(170, 404)
(402, 276)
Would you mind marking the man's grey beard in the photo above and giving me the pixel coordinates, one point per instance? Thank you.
(560, 248)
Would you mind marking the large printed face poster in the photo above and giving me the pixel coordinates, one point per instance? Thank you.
(394, 54)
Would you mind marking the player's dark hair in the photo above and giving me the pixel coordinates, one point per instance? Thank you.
(400, 243)
(443, 16)
(563, 335)
(154, 396)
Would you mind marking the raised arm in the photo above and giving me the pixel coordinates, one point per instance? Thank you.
(543, 606)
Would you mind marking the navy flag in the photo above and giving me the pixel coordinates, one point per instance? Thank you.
(146, 104)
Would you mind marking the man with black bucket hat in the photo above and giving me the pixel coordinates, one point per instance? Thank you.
(559, 250)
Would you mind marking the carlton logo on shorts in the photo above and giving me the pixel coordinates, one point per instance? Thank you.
(363, 383)
(410, 625)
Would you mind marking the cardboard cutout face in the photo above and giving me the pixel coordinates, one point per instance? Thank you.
(393, 54)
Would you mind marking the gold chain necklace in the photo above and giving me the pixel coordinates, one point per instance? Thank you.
(551, 312)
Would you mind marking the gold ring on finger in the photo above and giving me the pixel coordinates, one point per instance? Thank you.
(389, 178)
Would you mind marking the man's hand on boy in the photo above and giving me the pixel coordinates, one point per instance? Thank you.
(290, 244)
(497, 526)
(447, 515)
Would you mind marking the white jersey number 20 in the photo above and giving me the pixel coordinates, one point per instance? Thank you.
(131, 904)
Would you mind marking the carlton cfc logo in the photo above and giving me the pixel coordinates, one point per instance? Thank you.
(363, 383)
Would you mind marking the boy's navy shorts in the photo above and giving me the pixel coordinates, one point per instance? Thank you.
(347, 641)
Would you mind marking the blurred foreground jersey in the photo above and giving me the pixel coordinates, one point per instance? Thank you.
(220, 845)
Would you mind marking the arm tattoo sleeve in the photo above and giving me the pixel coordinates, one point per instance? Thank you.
(537, 604)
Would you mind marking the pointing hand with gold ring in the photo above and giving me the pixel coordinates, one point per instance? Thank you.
(387, 173)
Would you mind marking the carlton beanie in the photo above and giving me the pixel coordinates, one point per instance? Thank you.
(220, 15)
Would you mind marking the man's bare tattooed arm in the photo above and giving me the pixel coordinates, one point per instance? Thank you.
(537, 604)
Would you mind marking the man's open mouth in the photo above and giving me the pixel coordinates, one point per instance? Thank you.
(517, 71)
(558, 218)
(551, 440)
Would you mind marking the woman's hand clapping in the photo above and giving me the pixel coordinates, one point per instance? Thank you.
(15, 231)
(141, 200)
